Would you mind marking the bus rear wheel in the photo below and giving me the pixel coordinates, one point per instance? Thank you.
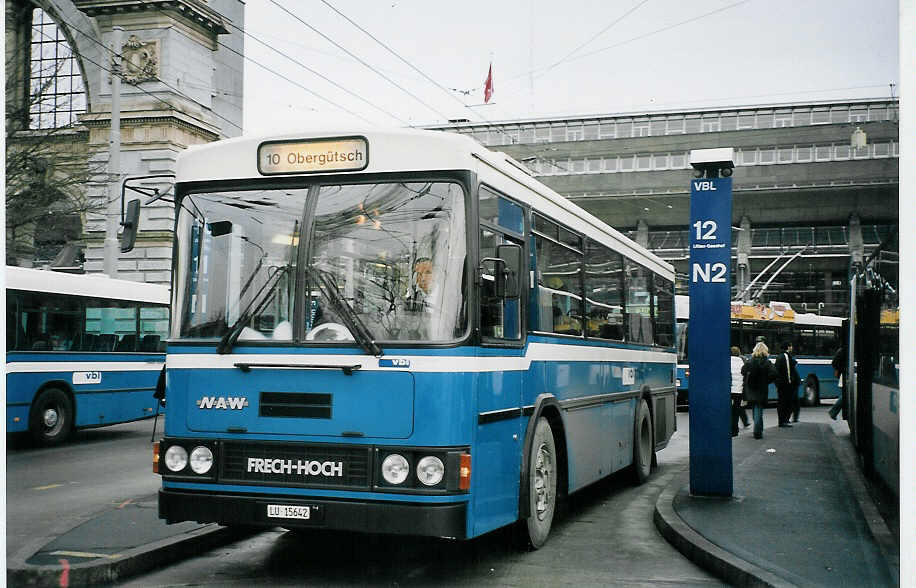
(51, 418)
(542, 487)
(812, 396)
(643, 444)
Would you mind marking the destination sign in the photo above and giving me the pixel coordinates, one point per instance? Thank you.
(314, 156)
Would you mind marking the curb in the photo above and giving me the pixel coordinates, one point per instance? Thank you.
(719, 562)
(132, 562)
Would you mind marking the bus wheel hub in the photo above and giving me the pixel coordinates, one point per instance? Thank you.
(50, 418)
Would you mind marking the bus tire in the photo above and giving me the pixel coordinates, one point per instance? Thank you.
(643, 444)
(51, 417)
(542, 487)
(811, 395)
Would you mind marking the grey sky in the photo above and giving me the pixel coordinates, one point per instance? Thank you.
(745, 52)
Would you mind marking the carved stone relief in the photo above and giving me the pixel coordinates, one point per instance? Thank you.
(140, 61)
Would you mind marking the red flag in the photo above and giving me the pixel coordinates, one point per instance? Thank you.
(488, 86)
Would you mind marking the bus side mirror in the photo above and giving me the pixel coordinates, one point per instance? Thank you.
(507, 285)
(131, 224)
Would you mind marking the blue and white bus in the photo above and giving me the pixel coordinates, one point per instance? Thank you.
(402, 332)
(682, 316)
(82, 350)
(815, 339)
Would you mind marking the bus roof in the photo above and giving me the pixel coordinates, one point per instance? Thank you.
(412, 150)
(91, 285)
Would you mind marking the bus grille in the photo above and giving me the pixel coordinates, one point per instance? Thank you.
(296, 464)
(295, 405)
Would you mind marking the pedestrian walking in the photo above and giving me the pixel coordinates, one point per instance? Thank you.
(737, 392)
(759, 372)
(787, 381)
(839, 370)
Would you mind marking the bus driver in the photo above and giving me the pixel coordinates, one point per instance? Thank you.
(424, 291)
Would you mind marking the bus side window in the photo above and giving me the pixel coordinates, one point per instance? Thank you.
(500, 317)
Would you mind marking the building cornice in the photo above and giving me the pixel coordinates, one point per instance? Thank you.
(475, 125)
(194, 11)
(155, 117)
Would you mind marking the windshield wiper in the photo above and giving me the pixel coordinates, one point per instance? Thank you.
(328, 287)
(260, 299)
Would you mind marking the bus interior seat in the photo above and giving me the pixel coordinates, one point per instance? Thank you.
(633, 323)
(647, 334)
(127, 343)
(86, 342)
(611, 331)
(150, 343)
(41, 343)
(105, 342)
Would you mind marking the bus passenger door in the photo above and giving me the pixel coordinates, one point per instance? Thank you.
(496, 462)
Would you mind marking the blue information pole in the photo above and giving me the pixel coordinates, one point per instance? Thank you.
(708, 342)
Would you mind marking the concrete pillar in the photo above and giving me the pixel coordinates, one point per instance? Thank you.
(856, 242)
(743, 269)
(828, 287)
(642, 233)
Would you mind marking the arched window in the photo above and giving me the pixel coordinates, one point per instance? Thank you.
(56, 91)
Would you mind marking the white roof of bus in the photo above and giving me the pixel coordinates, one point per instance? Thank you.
(807, 318)
(93, 285)
(416, 150)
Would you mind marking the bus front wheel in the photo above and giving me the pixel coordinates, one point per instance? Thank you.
(51, 419)
(542, 486)
(643, 444)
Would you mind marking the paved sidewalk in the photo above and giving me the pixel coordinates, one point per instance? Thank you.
(119, 541)
(800, 515)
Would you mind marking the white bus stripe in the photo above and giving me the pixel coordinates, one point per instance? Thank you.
(20, 367)
(428, 363)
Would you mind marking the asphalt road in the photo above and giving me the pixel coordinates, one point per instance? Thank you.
(605, 537)
(51, 490)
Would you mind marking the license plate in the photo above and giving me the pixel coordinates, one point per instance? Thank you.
(286, 511)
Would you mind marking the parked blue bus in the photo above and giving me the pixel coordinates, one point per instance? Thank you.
(81, 351)
(815, 339)
(682, 315)
(402, 332)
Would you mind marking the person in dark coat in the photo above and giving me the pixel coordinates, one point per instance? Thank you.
(787, 381)
(759, 372)
(839, 371)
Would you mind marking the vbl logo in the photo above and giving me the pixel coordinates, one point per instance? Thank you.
(704, 186)
(401, 363)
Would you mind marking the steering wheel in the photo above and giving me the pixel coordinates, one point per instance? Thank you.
(329, 332)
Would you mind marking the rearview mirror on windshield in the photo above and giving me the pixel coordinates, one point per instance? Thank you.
(220, 228)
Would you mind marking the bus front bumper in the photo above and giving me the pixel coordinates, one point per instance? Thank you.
(426, 519)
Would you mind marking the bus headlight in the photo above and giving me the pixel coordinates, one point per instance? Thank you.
(176, 458)
(201, 460)
(395, 469)
(430, 470)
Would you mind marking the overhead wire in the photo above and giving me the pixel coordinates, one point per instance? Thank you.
(361, 61)
(540, 71)
(416, 69)
(287, 79)
(593, 37)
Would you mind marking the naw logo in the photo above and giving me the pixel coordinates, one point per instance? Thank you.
(222, 402)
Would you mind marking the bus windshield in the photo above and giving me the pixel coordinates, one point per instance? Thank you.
(386, 259)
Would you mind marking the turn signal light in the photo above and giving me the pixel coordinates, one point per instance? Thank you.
(156, 457)
(464, 472)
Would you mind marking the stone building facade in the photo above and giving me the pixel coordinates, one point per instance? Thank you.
(181, 85)
(799, 184)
